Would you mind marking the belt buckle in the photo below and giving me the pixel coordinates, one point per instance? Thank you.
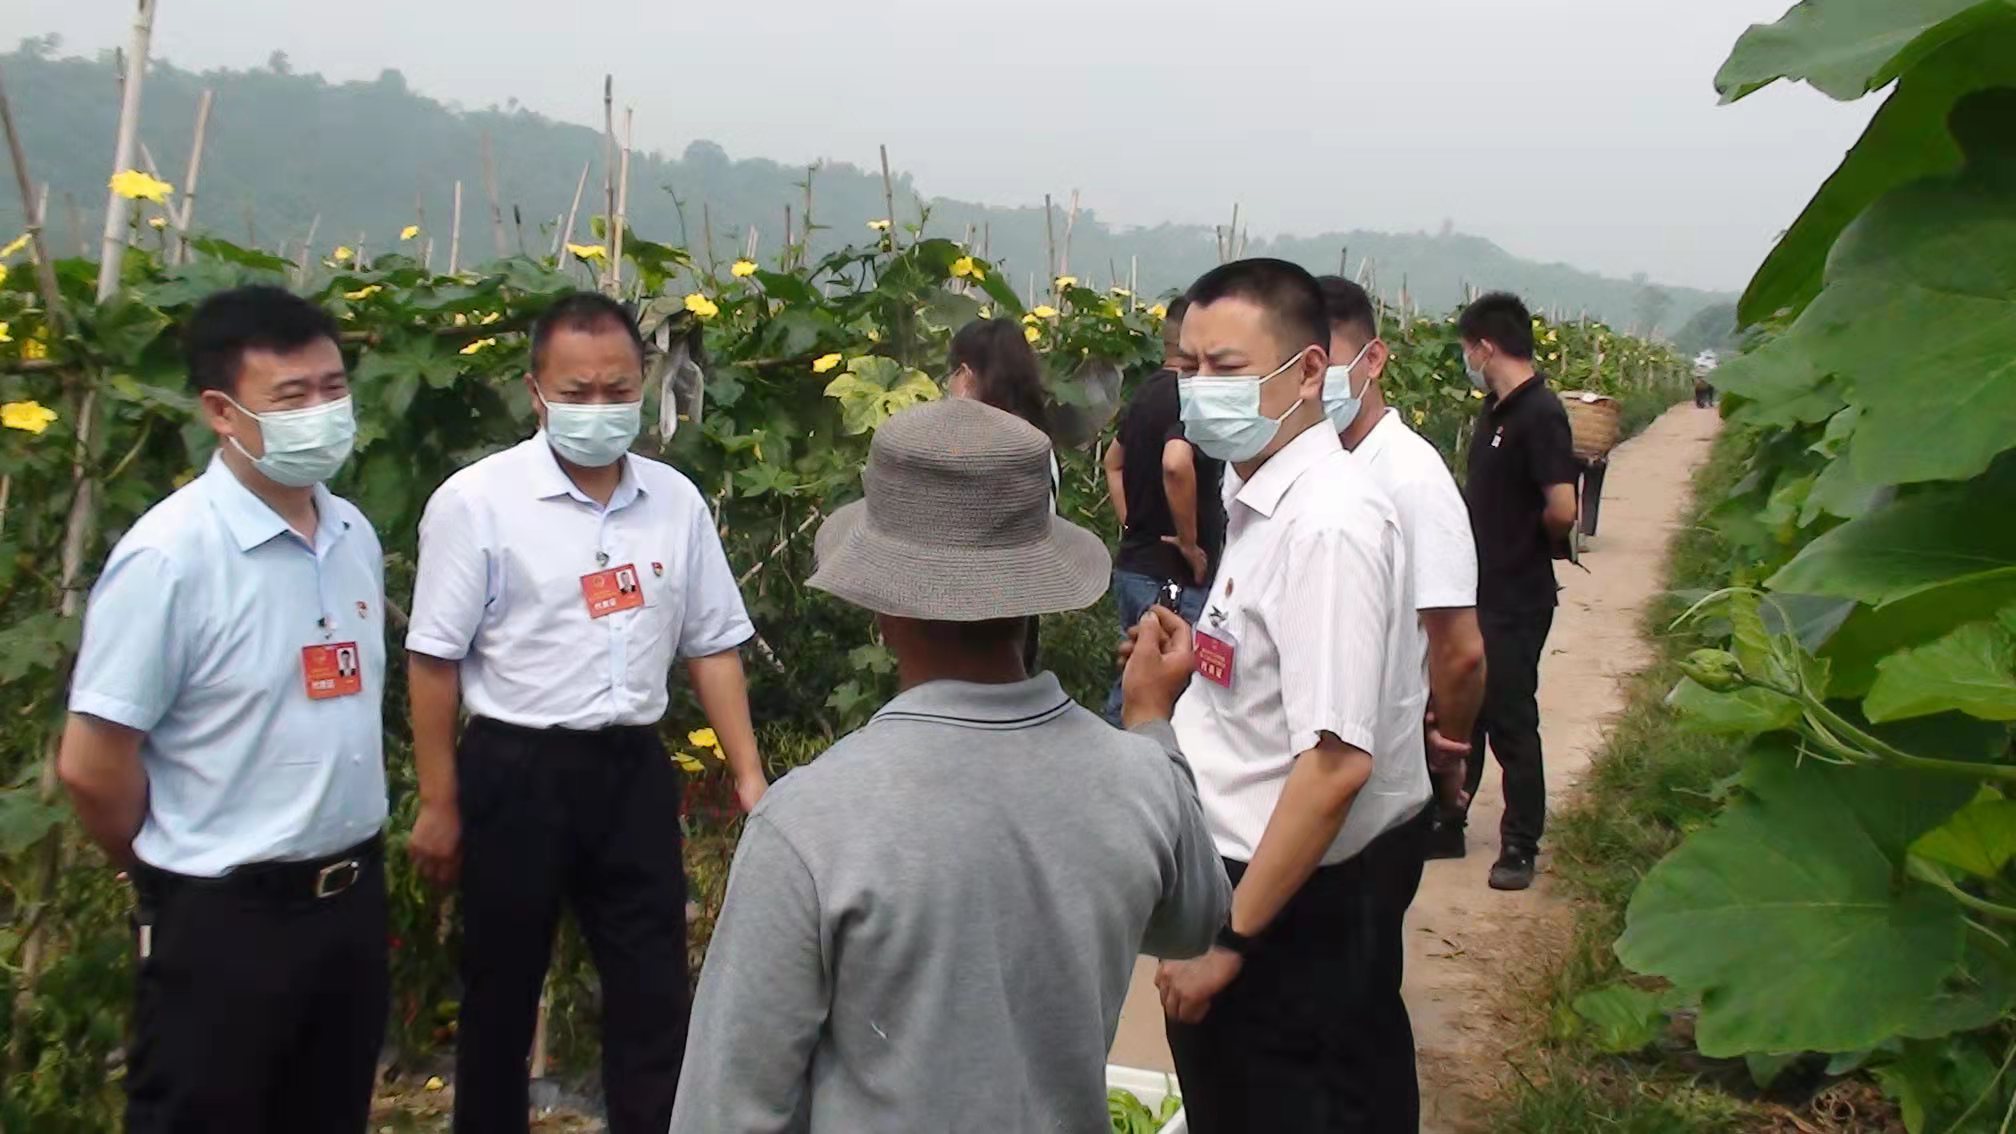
(337, 877)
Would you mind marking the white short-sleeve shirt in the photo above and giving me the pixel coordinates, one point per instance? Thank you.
(1433, 516)
(1316, 597)
(505, 545)
(195, 636)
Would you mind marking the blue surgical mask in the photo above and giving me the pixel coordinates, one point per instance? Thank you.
(303, 446)
(592, 436)
(1339, 403)
(1476, 375)
(1221, 413)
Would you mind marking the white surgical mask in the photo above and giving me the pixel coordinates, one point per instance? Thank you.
(1221, 413)
(1339, 403)
(595, 435)
(303, 446)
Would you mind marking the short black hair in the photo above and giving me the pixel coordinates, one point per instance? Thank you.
(1176, 309)
(1347, 305)
(1287, 292)
(584, 311)
(1498, 318)
(256, 317)
(1004, 365)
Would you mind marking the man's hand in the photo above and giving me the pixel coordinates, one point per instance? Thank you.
(1448, 765)
(1157, 657)
(436, 843)
(1200, 563)
(1188, 987)
(749, 789)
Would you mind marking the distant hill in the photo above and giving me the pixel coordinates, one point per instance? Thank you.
(370, 157)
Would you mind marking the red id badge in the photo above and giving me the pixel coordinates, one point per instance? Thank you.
(609, 591)
(332, 670)
(1214, 656)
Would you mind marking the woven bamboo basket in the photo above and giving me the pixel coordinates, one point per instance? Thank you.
(1595, 421)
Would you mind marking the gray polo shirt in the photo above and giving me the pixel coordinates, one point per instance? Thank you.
(932, 927)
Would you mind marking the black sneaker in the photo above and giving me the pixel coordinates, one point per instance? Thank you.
(1446, 840)
(1512, 871)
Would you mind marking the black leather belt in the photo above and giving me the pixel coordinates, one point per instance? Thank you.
(308, 879)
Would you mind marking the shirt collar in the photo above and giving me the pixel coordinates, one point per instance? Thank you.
(550, 480)
(1263, 491)
(1498, 405)
(1022, 704)
(252, 521)
(1376, 439)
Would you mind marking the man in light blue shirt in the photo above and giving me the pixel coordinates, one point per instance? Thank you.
(225, 746)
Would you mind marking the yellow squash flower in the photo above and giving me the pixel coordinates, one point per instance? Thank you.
(157, 223)
(1044, 311)
(29, 417)
(1420, 417)
(879, 225)
(1477, 395)
(183, 477)
(479, 346)
(702, 306)
(34, 348)
(490, 317)
(343, 252)
(1031, 333)
(688, 764)
(1066, 281)
(1159, 311)
(589, 251)
(409, 232)
(874, 336)
(364, 292)
(4, 336)
(137, 186)
(461, 320)
(3, 273)
(965, 268)
(703, 738)
(743, 269)
(14, 245)
(824, 363)
(987, 311)
(1123, 293)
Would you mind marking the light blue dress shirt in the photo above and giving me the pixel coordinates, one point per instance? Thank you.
(194, 636)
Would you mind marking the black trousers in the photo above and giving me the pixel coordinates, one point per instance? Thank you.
(1590, 493)
(256, 1012)
(591, 818)
(1509, 720)
(1313, 1036)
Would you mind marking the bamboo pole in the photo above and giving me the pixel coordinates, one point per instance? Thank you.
(455, 232)
(75, 216)
(608, 171)
(45, 270)
(490, 189)
(784, 254)
(189, 183)
(518, 226)
(307, 249)
(111, 248)
(707, 237)
(889, 197)
(622, 204)
(566, 235)
(1049, 242)
(1070, 223)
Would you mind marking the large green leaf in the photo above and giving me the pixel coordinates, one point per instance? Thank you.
(1869, 635)
(1777, 384)
(1745, 712)
(1972, 670)
(24, 819)
(1790, 915)
(1914, 544)
(1623, 1018)
(1908, 139)
(1979, 839)
(875, 387)
(1844, 48)
(1919, 318)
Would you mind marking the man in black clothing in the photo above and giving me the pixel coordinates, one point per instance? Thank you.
(1521, 493)
(1166, 496)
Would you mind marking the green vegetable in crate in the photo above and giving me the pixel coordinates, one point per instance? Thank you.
(1131, 1116)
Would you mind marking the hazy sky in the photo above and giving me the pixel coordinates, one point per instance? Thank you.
(1576, 130)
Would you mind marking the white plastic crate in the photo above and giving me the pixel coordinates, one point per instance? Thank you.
(1151, 1087)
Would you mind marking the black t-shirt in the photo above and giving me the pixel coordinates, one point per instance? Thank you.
(1153, 418)
(1522, 445)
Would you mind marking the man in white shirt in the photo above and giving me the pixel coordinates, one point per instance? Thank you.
(225, 748)
(1303, 726)
(1443, 557)
(558, 581)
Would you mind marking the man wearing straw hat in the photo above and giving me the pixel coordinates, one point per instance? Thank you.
(932, 927)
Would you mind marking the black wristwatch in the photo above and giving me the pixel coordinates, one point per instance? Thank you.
(1235, 941)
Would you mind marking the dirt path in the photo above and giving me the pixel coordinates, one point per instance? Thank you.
(1467, 945)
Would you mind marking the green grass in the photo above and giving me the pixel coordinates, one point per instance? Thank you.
(1653, 783)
